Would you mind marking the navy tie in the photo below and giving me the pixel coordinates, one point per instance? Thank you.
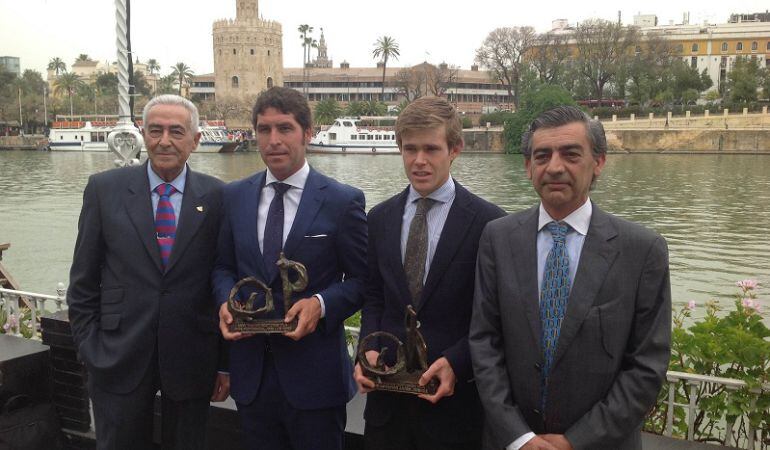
(554, 293)
(272, 241)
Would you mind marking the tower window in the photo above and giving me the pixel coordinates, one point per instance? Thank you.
(252, 51)
(234, 81)
(269, 82)
(724, 46)
(739, 47)
(233, 51)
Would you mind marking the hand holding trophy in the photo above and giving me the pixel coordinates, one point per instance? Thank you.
(249, 318)
(411, 360)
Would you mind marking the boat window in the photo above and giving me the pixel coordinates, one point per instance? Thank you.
(337, 123)
(332, 136)
(369, 137)
(378, 137)
(361, 136)
(347, 123)
(94, 137)
(354, 137)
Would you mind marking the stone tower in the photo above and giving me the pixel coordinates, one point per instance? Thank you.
(323, 61)
(248, 54)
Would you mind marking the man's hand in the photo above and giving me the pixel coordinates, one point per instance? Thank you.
(225, 319)
(365, 384)
(558, 441)
(441, 370)
(309, 312)
(221, 387)
(538, 443)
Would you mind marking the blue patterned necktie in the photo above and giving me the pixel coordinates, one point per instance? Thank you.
(272, 240)
(554, 293)
(165, 222)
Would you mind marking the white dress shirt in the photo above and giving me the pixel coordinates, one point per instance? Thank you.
(578, 220)
(291, 199)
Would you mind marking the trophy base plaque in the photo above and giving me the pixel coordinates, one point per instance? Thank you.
(403, 383)
(263, 326)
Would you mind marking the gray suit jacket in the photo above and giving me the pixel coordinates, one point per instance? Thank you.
(614, 346)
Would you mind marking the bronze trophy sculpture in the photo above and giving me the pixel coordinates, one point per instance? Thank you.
(248, 318)
(411, 361)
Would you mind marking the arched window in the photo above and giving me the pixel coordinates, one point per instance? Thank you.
(754, 46)
(739, 47)
(269, 82)
(252, 51)
(695, 47)
(233, 51)
(724, 46)
(268, 53)
(768, 45)
(234, 81)
(679, 48)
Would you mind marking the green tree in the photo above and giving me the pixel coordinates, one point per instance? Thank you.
(141, 86)
(533, 103)
(166, 85)
(744, 80)
(182, 73)
(602, 50)
(153, 66)
(57, 65)
(68, 83)
(385, 48)
(326, 111)
(83, 57)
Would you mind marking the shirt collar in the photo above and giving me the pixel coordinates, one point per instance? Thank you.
(297, 179)
(579, 219)
(443, 194)
(177, 182)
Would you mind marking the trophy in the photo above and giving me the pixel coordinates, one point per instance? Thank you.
(411, 361)
(248, 318)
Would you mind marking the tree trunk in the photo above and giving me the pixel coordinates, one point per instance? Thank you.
(382, 88)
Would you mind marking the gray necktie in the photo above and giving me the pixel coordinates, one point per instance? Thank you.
(417, 249)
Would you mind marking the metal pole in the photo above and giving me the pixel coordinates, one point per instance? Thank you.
(124, 140)
(45, 107)
(21, 121)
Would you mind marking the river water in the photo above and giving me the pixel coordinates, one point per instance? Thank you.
(714, 210)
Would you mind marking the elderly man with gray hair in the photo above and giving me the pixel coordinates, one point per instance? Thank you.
(571, 327)
(140, 298)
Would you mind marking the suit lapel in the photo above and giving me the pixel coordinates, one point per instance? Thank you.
(391, 236)
(459, 219)
(524, 250)
(596, 258)
(138, 205)
(309, 205)
(191, 216)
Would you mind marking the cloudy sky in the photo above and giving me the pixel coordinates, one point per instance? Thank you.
(434, 30)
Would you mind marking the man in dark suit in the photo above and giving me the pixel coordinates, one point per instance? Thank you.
(439, 285)
(291, 389)
(140, 300)
(571, 327)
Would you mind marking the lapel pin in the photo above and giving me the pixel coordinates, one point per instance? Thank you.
(199, 208)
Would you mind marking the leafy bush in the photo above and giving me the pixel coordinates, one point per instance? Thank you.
(532, 104)
(495, 118)
(20, 321)
(734, 345)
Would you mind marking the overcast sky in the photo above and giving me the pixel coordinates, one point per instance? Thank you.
(434, 30)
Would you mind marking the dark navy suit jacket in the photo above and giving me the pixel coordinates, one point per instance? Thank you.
(329, 237)
(123, 305)
(444, 312)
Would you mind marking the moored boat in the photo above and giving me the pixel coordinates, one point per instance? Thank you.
(89, 134)
(367, 135)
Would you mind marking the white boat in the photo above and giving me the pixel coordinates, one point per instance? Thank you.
(365, 135)
(89, 134)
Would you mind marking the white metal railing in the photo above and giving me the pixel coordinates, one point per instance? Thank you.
(21, 310)
(693, 382)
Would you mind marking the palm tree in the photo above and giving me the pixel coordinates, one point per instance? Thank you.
(57, 65)
(182, 73)
(326, 111)
(305, 30)
(68, 82)
(83, 57)
(385, 47)
(153, 66)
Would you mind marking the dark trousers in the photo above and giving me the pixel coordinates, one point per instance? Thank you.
(125, 421)
(405, 430)
(271, 423)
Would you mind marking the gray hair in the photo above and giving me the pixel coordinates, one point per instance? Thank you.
(563, 115)
(175, 100)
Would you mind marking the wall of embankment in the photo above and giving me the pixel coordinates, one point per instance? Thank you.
(690, 141)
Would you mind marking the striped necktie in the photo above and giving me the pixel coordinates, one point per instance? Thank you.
(165, 222)
(554, 293)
